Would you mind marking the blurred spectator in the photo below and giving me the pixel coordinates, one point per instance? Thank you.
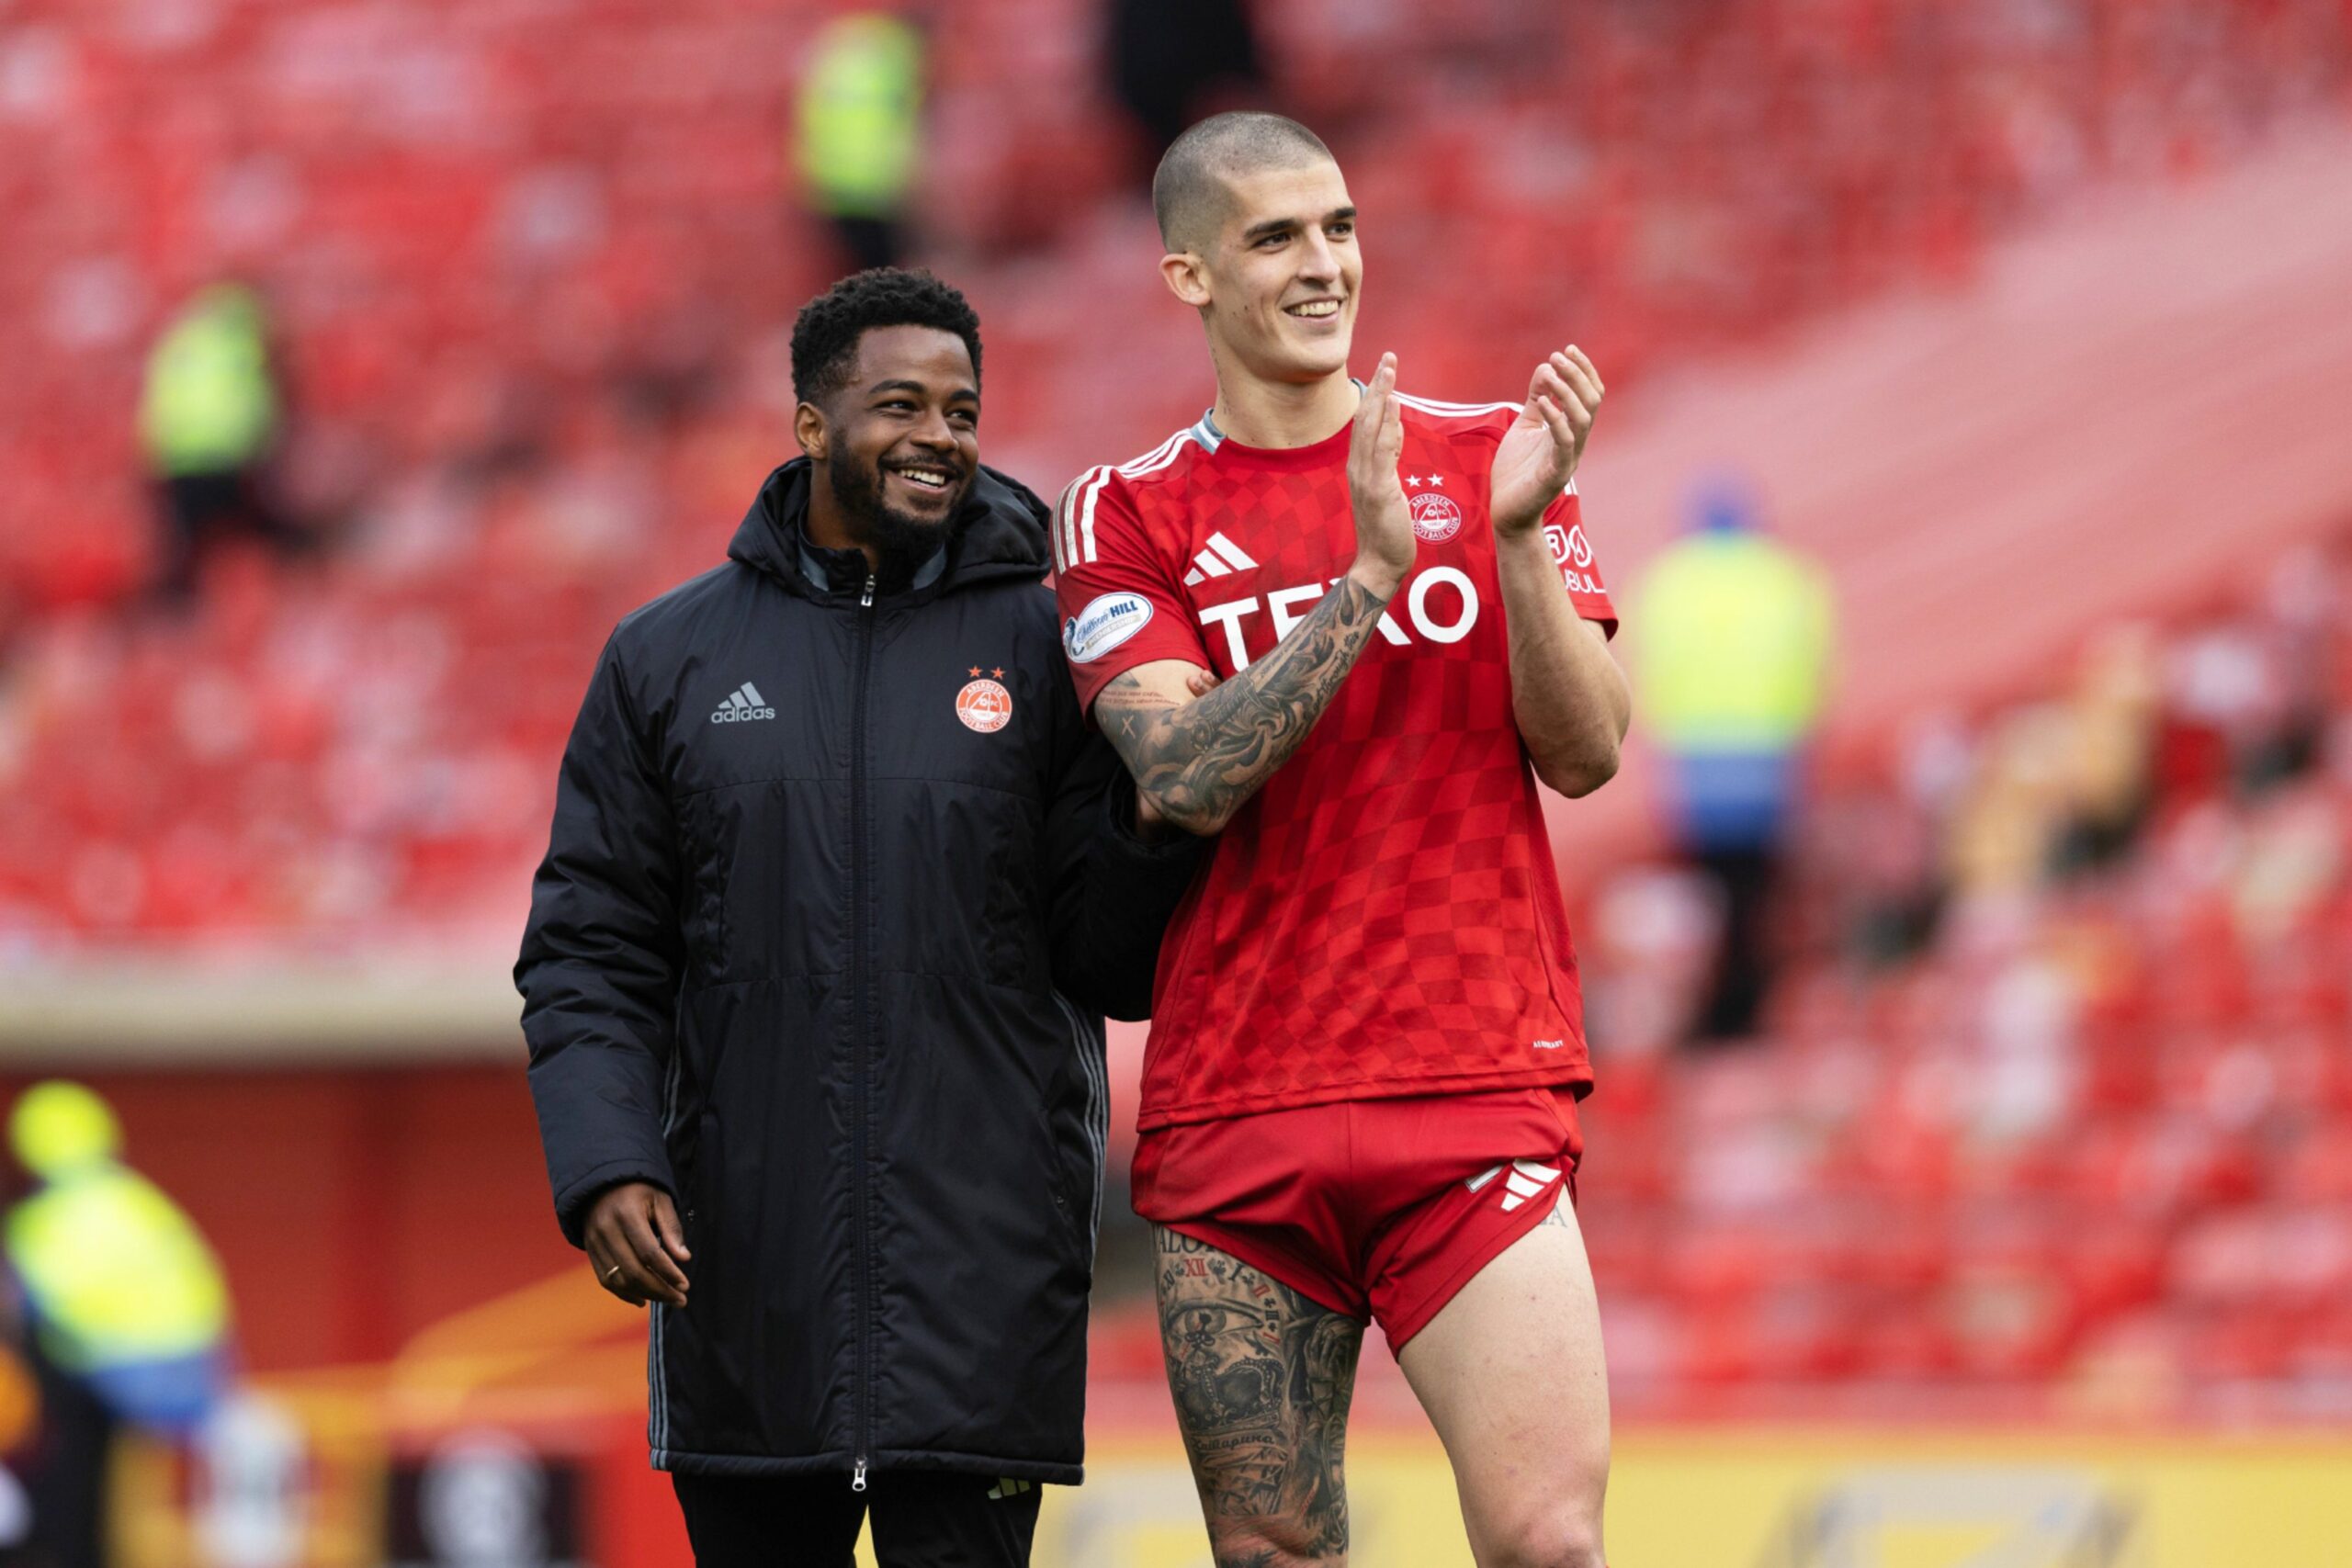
(861, 131)
(1734, 652)
(2114, 709)
(208, 420)
(1172, 65)
(128, 1310)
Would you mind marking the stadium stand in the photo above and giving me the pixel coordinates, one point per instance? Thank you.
(2061, 1080)
(531, 263)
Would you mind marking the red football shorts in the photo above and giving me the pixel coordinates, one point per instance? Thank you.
(1380, 1208)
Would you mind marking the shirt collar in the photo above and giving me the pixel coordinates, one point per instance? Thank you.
(1207, 433)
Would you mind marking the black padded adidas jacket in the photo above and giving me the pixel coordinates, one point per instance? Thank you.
(834, 979)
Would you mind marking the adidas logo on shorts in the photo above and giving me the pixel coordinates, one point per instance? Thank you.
(1525, 1179)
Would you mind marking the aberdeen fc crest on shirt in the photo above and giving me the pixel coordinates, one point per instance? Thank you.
(1435, 517)
(984, 705)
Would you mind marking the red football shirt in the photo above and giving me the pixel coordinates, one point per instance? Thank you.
(1382, 918)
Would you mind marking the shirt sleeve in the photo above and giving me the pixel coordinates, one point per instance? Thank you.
(1119, 604)
(1572, 553)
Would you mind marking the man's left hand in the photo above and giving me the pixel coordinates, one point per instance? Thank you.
(1539, 453)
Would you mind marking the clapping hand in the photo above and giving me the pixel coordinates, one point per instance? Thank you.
(1539, 453)
(1384, 547)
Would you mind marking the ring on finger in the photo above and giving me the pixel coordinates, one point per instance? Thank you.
(613, 1273)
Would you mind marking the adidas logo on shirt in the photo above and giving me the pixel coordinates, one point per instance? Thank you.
(743, 705)
(1526, 1178)
(1221, 558)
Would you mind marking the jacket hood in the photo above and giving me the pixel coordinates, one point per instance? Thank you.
(1001, 533)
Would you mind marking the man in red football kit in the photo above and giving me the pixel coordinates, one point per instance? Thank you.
(1334, 625)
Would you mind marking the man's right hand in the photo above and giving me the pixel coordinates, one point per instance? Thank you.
(1384, 545)
(636, 1245)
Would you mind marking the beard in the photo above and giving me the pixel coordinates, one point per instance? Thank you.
(900, 541)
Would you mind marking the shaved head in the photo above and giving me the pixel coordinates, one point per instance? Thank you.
(1191, 193)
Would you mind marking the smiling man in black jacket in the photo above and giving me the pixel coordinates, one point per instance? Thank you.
(838, 888)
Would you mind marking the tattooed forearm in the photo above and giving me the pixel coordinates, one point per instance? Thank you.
(1200, 760)
(1262, 1378)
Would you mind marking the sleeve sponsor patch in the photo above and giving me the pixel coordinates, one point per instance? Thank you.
(1569, 546)
(1103, 625)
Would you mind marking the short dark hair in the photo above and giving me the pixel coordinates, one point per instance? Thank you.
(1190, 182)
(825, 338)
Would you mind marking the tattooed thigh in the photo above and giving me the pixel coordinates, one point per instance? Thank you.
(1262, 1378)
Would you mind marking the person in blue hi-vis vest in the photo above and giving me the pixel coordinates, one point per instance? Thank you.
(124, 1301)
(1734, 633)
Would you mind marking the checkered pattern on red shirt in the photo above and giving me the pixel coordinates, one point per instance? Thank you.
(1382, 917)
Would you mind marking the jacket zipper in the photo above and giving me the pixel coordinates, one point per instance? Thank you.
(862, 1056)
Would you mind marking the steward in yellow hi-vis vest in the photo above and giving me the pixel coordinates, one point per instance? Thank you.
(1733, 637)
(209, 417)
(210, 403)
(859, 130)
(1737, 658)
(122, 1292)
